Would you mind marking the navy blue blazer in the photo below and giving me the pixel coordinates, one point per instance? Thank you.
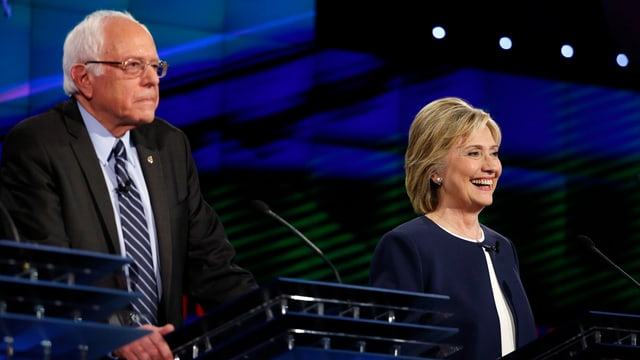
(419, 256)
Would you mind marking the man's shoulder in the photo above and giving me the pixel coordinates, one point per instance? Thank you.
(159, 134)
(160, 126)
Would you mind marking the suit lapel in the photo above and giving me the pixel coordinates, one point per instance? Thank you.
(151, 164)
(85, 153)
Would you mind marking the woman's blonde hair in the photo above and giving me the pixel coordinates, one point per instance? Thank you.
(437, 127)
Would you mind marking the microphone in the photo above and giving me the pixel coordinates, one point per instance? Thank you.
(264, 208)
(489, 248)
(124, 188)
(587, 242)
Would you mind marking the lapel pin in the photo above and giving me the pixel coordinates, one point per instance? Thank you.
(150, 159)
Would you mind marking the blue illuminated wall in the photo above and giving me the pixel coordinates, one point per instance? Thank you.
(318, 132)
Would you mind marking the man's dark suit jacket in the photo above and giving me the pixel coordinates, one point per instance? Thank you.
(54, 188)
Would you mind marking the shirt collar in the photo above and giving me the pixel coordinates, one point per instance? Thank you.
(103, 141)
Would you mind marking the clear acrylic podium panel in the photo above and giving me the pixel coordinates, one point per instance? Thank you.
(50, 308)
(27, 338)
(300, 319)
(594, 336)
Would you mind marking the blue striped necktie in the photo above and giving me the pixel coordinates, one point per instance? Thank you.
(136, 240)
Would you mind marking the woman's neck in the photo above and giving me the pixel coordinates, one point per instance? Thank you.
(464, 225)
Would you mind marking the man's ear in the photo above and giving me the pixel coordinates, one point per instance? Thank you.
(83, 80)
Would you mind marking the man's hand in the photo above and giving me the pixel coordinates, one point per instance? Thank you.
(150, 347)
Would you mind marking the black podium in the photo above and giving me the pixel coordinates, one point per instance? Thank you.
(299, 319)
(594, 336)
(50, 307)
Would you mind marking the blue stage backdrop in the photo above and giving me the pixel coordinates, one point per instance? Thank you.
(276, 112)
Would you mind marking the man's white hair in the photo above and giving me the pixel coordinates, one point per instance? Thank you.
(84, 43)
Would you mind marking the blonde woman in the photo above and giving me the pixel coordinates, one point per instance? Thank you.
(452, 169)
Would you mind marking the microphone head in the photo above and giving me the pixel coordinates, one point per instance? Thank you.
(586, 241)
(260, 206)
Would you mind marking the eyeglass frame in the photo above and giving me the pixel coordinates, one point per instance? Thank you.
(161, 69)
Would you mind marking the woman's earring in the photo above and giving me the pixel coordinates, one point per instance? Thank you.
(438, 181)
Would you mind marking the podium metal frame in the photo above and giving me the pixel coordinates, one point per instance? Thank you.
(299, 319)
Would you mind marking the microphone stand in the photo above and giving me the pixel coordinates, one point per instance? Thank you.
(590, 244)
(264, 208)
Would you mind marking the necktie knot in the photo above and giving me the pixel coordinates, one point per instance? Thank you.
(118, 150)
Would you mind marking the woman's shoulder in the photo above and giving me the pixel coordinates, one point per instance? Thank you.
(419, 227)
(418, 223)
(489, 232)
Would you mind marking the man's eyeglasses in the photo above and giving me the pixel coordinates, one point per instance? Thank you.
(136, 67)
